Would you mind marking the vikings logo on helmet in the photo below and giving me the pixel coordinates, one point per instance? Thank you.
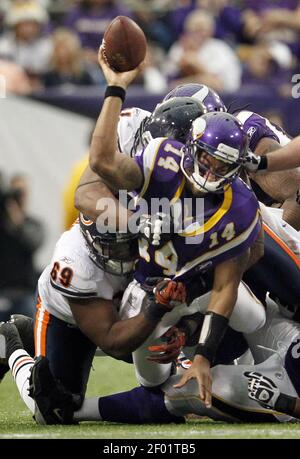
(207, 96)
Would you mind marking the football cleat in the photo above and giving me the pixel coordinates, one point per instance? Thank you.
(10, 341)
(53, 403)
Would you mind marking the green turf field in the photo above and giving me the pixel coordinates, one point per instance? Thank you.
(111, 376)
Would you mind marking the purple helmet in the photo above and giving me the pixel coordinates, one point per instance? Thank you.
(200, 92)
(211, 158)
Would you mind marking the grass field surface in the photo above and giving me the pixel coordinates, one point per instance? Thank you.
(109, 376)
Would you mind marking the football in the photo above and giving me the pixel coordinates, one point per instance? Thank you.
(125, 44)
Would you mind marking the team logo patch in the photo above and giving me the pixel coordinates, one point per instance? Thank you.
(251, 131)
(199, 126)
(67, 260)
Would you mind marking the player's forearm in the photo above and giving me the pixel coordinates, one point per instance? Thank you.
(291, 213)
(288, 157)
(125, 336)
(222, 301)
(97, 202)
(104, 145)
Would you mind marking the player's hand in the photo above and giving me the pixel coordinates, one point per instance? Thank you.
(168, 292)
(200, 370)
(156, 229)
(114, 78)
(252, 162)
(168, 352)
(165, 296)
(262, 389)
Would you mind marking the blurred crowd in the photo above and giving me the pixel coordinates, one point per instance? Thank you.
(21, 235)
(222, 43)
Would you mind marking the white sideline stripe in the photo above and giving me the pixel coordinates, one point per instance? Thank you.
(226, 432)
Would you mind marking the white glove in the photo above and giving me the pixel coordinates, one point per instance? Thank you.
(254, 163)
(262, 389)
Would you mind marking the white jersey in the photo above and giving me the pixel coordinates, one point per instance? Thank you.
(273, 217)
(129, 122)
(72, 274)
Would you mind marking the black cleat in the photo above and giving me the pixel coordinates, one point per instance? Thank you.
(10, 341)
(25, 326)
(53, 403)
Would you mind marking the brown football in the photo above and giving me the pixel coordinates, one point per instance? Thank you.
(125, 44)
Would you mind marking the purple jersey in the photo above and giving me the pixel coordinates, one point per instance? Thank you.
(224, 227)
(257, 128)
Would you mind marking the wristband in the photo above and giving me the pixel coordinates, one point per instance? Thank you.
(285, 404)
(263, 163)
(213, 330)
(115, 91)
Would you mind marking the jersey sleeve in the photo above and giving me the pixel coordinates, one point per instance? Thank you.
(129, 122)
(256, 127)
(160, 165)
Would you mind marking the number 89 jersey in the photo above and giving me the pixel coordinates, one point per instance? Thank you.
(72, 274)
(214, 229)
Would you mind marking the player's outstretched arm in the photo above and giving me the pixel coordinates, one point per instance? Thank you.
(119, 171)
(99, 321)
(227, 277)
(287, 157)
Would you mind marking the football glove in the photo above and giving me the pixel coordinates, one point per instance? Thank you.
(254, 163)
(262, 389)
(168, 352)
(163, 297)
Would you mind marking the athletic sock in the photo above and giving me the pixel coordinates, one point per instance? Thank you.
(20, 364)
(89, 411)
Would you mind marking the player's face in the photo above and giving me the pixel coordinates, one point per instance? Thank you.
(211, 168)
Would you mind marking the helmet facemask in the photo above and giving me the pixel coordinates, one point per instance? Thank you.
(115, 253)
(208, 169)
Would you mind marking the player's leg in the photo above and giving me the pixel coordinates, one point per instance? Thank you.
(277, 272)
(150, 374)
(69, 351)
(19, 361)
(248, 314)
(167, 404)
